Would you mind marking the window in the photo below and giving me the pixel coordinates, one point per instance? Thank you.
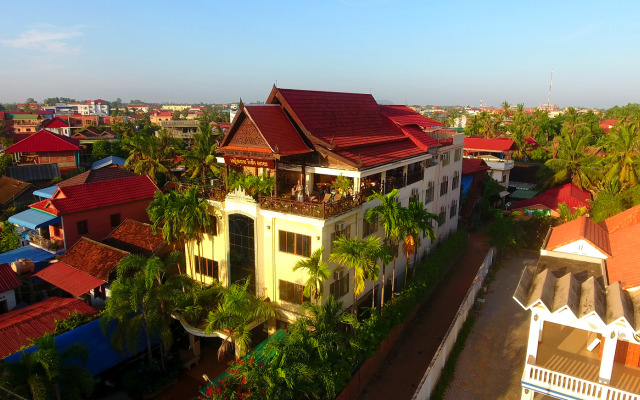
(369, 227)
(292, 292)
(205, 266)
(414, 195)
(295, 243)
(454, 209)
(115, 220)
(83, 227)
(340, 286)
(442, 217)
(342, 230)
(214, 226)
(444, 186)
(428, 196)
(445, 158)
(457, 155)
(456, 180)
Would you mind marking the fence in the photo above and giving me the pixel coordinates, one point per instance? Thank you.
(432, 375)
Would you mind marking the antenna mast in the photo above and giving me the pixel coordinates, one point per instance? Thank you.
(550, 84)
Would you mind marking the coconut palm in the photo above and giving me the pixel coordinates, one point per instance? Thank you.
(318, 273)
(46, 373)
(572, 164)
(200, 159)
(358, 255)
(388, 212)
(238, 312)
(416, 222)
(143, 296)
(624, 146)
(373, 272)
(567, 215)
(146, 156)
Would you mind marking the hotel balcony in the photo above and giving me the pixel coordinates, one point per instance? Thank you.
(566, 369)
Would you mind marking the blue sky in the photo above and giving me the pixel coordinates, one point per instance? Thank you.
(407, 52)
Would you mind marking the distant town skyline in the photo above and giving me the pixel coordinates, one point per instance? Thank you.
(403, 52)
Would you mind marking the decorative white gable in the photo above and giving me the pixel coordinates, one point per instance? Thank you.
(583, 248)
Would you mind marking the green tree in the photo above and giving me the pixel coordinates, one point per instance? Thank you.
(624, 146)
(147, 156)
(415, 222)
(200, 159)
(572, 164)
(143, 296)
(100, 150)
(9, 238)
(318, 271)
(388, 213)
(358, 255)
(567, 215)
(238, 313)
(47, 373)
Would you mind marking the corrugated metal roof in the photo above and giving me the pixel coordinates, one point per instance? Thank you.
(9, 188)
(69, 279)
(33, 219)
(34, 172)
(8, 279)
(46, 192)
(30, 252)
(31, 322)
(111, 160)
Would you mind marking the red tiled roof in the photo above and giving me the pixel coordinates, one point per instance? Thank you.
(69, 279)
(623, 220)
(580, 228)
(31, 322)
(97, 175)
(277, 130)
(8, 279)
(55, 123)
(93, 258)
(472, 165)
(419, 137)
(44, 141)
(403, 115)
(569, 193)
(341, 119)
(381, 153)
(135, 237)
(89, 196)
(481, 144)
(607, 124)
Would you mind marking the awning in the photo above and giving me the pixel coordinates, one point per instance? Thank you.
(523, 194)
(504, 193)
(46, 192)
(31, 252)
(33, 219)
(69, 279)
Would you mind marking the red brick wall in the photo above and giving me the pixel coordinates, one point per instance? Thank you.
(66, 160)
(99, 221)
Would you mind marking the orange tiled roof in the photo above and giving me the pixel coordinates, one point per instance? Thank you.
(579, 229)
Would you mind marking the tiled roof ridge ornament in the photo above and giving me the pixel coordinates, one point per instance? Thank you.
(276, 149)
(332, 142)
(359, 161)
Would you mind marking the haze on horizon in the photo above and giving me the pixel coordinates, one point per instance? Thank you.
(413, 52)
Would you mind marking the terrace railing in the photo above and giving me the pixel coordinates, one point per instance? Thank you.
(311, 209)
(214, 192)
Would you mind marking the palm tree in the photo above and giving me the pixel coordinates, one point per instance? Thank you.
(572, 164)
(46, 372)
(359, 255)
(146, 156)
(506, 108)
(238, 313)
(624, 145)
(416, 222)
(567, 215)
(200, 160)
(519, 136)
(388, 212)
(318, 273)
(143, 296)
(373, 272)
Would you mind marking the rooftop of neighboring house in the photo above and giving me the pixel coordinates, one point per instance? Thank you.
(8, 278)
(97, 175)
(489, 145)
(19, 326)
(349, 127)
(91, 132)
(109, 162)
(616, 238)
(105, 193)
(10, 188)
(54, 123)
(34, 172)
(473, 165)
(570, 194)
(136, 238)
(607, 124)
(44, 141)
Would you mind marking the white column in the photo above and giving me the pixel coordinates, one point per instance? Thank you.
(535, 331)
(527, 394)
(608, 355)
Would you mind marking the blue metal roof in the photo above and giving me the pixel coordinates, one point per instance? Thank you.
(108, 161)
(33, 219)
(101, 357)
(31, 252)
(47, 193)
